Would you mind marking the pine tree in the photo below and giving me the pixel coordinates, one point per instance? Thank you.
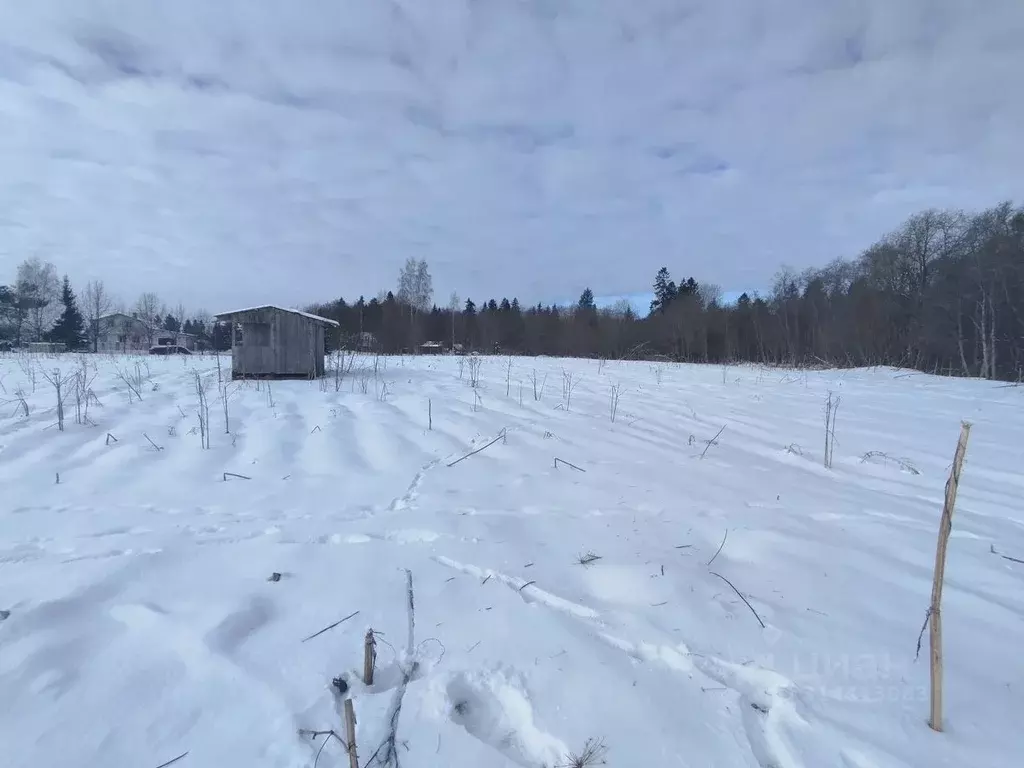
(70, 327)
(689, 288)
(586, 302)
(664, 291)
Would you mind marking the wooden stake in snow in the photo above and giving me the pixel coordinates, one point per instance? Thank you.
(350, 734)
(369, 657)
(935, 611)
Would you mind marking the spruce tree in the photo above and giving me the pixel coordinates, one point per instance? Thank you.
(586, 302)
(664, 291)
(70, 327)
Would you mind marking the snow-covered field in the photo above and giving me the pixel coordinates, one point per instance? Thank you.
(144, 623)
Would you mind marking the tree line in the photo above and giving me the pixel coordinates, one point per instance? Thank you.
(943, 293)
(40, 306)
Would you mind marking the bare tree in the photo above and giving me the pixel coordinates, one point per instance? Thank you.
(415, 290)
(415, 286)
(147, 308)
(97, 303)
(39, 289)
(710, 294)
(424, 287)
(453, 307)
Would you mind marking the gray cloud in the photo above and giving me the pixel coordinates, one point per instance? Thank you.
(247, 151)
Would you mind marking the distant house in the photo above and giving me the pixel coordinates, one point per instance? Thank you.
(46, 347)
(432, 348)
(120, 332)
(271, 342)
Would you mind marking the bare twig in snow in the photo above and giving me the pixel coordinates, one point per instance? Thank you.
(568, 464)
(992, 549)
(903, 464)
(720, 546)
(713, 441)
(920, 635)
(172, 761)
(501, 436)
(713, 573)
(330, 626)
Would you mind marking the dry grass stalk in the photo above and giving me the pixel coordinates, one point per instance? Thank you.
(593, 753)
(831, 407)
(59, 383)
(538, 389)
(204, 411)
(474, 371)
(935, 610)
(616, 392)
(903, 464)
(588, 558)
(569, 382)
(134, 383)
(20, 403)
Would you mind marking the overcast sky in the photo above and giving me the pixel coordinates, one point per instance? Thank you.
(233, 152)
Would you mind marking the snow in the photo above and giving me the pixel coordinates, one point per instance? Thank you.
(143, 623)
(326, 320)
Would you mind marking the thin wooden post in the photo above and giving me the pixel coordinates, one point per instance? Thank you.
(935, 611)
(350, 734)
(369, 657)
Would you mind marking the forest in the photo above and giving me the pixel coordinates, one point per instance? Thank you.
(942, 293)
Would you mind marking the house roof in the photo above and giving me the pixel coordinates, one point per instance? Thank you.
(307, 315)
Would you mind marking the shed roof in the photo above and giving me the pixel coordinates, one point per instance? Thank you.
(307, 315)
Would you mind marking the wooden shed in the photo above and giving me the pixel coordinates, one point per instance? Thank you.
(271, 342)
